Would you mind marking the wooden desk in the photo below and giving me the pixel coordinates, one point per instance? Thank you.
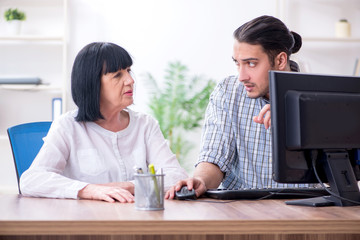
(39, 218)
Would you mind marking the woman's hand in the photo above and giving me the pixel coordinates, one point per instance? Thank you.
(110, 192)
(264, 116)
(124, 185)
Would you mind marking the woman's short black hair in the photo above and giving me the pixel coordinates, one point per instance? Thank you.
(272, 34)
(94, 60)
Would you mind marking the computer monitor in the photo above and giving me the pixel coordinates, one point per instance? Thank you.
(315, 124)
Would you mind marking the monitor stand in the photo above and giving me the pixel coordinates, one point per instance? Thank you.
(341, 178)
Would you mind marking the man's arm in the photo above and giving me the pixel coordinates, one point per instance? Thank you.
(209, 173)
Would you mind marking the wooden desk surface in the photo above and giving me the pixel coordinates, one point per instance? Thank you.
(39, 216)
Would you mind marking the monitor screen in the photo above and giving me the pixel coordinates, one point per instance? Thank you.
(315, 122)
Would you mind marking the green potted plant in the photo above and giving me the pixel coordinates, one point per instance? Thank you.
(14, 17)
(179, 105)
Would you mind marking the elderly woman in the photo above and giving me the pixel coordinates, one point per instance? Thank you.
(90, 153)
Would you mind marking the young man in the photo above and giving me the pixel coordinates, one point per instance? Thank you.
(236, 149)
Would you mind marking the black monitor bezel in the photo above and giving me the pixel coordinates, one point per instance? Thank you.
(292, 166)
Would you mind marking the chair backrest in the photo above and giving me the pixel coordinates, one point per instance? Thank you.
(26, 141)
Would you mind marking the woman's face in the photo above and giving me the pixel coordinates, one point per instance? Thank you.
(117, 89)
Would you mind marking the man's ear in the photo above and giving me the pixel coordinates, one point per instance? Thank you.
(281, 61)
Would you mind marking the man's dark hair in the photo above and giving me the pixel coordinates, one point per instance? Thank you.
(94, 60)
(272, 35)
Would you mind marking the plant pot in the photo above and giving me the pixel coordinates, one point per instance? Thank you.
(342, 29)
(13, 27)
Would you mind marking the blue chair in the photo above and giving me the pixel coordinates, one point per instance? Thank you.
(26, 141)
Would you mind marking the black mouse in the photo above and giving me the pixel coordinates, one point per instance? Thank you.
(184, 193)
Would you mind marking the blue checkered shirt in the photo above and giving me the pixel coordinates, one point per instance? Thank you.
(230, 139)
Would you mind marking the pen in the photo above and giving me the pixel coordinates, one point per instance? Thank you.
(138, 170)
(152, 171)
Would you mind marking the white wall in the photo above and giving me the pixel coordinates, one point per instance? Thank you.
(317, 19)
(199, 34)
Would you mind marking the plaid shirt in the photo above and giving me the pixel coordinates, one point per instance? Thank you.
(230, 139)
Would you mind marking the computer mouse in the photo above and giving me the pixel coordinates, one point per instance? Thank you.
(184, 193)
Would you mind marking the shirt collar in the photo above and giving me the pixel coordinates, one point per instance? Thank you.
(264, 100)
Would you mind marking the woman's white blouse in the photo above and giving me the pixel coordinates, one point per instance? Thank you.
(75, 154)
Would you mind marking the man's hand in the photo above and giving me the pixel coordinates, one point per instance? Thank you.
(206, 175)
(264, 116)
(192, 183)
(107, 192)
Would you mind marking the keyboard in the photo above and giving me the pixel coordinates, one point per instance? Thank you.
(265, 193)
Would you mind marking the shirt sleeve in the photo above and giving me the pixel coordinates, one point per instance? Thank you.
(160, 154)
(44, 177)
(218, 145)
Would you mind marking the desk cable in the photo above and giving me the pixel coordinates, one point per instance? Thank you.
(330, 192)
(210, 201)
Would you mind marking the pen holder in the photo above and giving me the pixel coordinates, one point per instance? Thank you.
(149, 191)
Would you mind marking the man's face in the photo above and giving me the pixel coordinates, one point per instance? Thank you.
(253, 66)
